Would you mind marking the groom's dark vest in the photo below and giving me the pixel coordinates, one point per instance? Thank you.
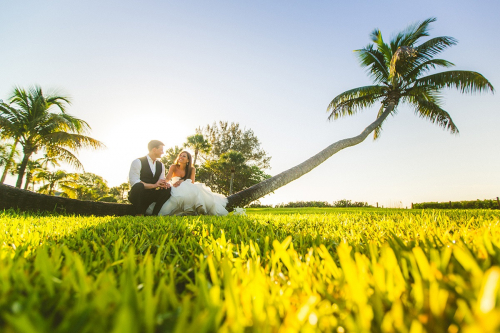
(146, 174)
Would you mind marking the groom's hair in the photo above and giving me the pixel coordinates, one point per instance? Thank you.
(154, 144)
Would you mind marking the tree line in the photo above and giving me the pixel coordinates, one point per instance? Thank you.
(33, 123)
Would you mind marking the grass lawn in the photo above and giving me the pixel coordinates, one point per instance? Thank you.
(274, 270)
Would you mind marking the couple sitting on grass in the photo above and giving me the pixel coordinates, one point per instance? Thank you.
(153, 193)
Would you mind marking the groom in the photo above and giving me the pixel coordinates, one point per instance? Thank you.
(147, 180)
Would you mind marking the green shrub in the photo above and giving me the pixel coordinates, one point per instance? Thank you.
(478, 204)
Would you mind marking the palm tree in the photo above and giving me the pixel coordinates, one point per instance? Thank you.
(124, 187)
(58, 179)
(232, 160)
(8, 131)
(399, 72)
(3, 153)
(198, 144)
(31, 168)
(90, 186)
(170, 155)
(8, 153)
(33, 124)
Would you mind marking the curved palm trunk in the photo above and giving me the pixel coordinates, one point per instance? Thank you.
(22, 168)
(28, 180)
(51, 188)
(257, 191)
(9, 161)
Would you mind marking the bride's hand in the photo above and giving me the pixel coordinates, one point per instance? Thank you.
(178, 183)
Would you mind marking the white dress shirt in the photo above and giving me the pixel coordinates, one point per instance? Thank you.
(134, 175)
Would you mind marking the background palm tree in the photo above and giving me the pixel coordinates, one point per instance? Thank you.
(232, 161)
(170, 155)
(35, 126)
(123, 188)
(119, 191)
(33, 166)
(398, 71)
(89, 186)
(58, 179)
(8, 131)
(198, 143)
(8, 154)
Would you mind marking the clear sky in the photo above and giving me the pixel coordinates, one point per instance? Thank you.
(142, 70)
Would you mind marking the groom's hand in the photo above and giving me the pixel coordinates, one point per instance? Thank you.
(161, 183)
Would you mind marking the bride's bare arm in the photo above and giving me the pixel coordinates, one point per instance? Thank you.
(170, 173)
(193, 174)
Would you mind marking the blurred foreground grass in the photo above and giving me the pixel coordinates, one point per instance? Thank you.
(353, 270)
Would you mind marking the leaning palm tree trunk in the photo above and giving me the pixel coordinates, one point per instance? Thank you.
(257, 191)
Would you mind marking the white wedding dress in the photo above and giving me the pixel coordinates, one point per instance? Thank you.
(192, 199)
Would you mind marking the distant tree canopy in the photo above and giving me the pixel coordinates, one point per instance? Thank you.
(224, 137)
(226, 151)
(90, 186)
(170, 155)
(216, 174)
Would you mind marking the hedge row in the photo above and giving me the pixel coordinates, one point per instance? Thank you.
(477, 204)
(340, 203)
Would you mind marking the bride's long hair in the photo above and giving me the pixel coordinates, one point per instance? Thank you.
(189, 164)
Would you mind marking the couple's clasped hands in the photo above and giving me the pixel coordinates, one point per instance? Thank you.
(162, 183)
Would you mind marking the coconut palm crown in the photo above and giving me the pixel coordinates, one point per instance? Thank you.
(399, 69)
(30, 120)
(198, 143)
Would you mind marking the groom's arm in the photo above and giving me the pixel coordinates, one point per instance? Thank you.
(151, 186)
(134, 175)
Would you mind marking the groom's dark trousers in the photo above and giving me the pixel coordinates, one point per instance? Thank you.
(142, 198)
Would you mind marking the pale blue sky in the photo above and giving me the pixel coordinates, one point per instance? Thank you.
(142, 70)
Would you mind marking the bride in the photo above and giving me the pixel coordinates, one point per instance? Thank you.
(188, 197)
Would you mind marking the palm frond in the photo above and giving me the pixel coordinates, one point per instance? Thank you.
(59, 101)
(72, 141)
(427, 93)
(423, 67)
(412, 34)
(21, 98)
(464, 81)
(375, 63)
(79, 126)
(66, 156)
(382, 47)
(351, 101)
(435, 45)
(69, 187)
(44, 189)
(434, 113)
